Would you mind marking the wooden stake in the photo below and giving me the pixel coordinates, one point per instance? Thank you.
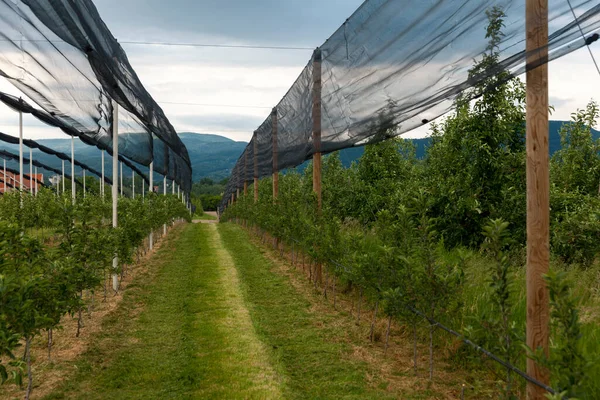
(538, 192)
(254, 153)
(316, 116)
(246, 173)
(275, 164)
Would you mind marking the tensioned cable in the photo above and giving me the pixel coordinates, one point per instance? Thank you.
(583, 36)
(212, 105)
(226, 46)
(217, 45)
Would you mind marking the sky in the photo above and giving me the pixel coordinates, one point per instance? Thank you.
(230, 91)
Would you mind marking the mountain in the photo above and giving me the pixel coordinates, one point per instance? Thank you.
(212, 156)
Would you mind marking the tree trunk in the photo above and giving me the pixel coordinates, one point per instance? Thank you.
(372, 334)
(334, 297)
(431, 328)
(387, 335)
(360, 292)
(79, 318)
(105, 289)
(326, 284)
(415, 347)
(29, 373)
(50, 344)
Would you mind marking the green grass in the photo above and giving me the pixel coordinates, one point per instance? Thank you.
(204, 216)
(184, 343)
(306, 348)
(212, 320)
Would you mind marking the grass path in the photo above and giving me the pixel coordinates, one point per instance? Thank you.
(210, 319)
(181, 332)
(309, 349)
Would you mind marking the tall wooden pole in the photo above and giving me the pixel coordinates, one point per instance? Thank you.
(316, 116)
(115, 187)
(538, 192)
(255, 151)
(275, 163)
(246, 173)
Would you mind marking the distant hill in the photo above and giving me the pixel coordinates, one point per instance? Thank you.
(214, 156)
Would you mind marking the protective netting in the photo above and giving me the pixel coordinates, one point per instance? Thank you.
(401, 64)
(12, 184)
(61, 55)
(32, 144)
(6, 155)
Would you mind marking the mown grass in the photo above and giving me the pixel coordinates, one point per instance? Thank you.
(306, 348)
(181, 332)
(204, 216)
(147, 346)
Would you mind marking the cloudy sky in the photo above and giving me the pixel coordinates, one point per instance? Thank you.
(230, 91)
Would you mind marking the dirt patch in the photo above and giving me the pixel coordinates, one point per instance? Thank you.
(48, 374)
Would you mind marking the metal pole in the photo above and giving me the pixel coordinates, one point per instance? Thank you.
(73, 169)
(5, 180)
(538, 191)
(21, 150)
(173, 187)
(133, 184)
(114, 188)
(63, 176)
(164, 194)
(36, 182)
(143, 188)
(83, 170)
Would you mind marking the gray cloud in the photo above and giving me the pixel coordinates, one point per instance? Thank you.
(288, 22)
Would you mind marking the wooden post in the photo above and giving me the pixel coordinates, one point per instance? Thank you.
(246, 173)
(316, 116)
(232, 198)
(538, 192)
(275, 164)
(255, 168)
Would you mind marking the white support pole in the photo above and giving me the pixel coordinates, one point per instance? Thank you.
(83, 170)
(35, 173)
(133, 184)
(173, 186)
(63, 176)
(102, 180)
(151, 236)
(115, 193)
(143, 188)
(73, 169)
(31, 171)
(4, 178)
(121, 177)
(21, 150)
